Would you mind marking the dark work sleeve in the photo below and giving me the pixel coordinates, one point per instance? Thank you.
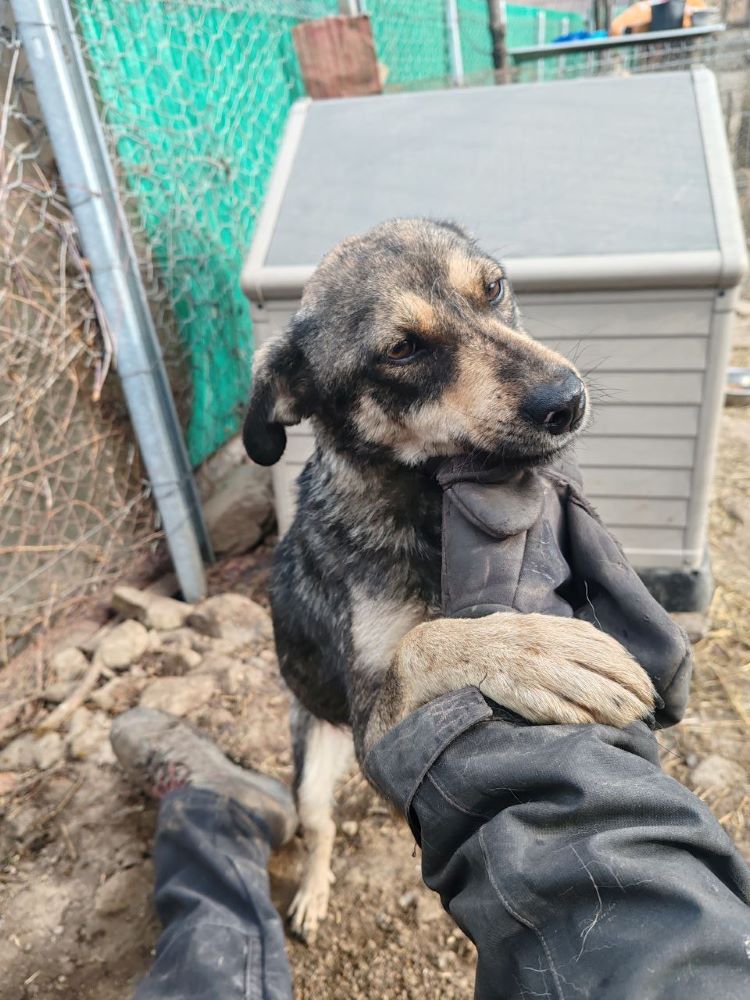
(578, 868)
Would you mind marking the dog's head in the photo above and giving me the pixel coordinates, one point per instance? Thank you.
(408, 345)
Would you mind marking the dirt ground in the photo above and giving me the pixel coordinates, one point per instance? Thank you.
(75, 841)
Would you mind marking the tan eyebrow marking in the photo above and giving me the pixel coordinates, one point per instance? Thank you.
(415, 312)
(466, 274)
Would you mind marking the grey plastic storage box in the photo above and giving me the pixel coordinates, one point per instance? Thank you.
(612, 202)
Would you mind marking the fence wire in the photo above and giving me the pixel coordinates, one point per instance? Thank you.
(75, 508)
(193, 100)
(193, 97)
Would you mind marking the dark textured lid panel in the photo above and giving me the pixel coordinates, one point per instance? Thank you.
(607, 166)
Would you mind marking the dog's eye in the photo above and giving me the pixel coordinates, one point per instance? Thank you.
(402, 350)
(495, 290)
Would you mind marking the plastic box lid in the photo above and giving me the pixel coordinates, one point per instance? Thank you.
(585, 184)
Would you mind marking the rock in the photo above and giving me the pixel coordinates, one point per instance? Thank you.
(695, 623)
(429, 908)
(180, 661)
(8, 781)
(719, 772)
(179, 695)
(225, 647)
(48, 750)
(56, 693)
(125, 644)
(119, 694)
(445, 960)
(234, 676)
(19, 754)
(350, 828)
(121, 890)
(154, 641)
(233, 617)
(150, 608)
(88, 737)
(69, 664)
(90, 645)
(167, 585)
(183, 638)
(408, 900)
(240, 512)
(217, 467)
(30, 751)
(384, 921)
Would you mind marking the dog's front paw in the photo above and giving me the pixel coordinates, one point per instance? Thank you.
(563, 670)
(546, 669)
(310, 905)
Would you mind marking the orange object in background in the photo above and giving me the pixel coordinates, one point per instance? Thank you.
(637, 17)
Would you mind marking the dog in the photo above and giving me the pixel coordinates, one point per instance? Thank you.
(408, 348)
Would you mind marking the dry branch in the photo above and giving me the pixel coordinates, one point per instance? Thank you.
(66, 708)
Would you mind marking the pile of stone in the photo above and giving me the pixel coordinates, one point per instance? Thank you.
(158, 652)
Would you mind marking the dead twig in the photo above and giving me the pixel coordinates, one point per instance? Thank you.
(22, 702)
(69, 845)
(8, 735)
(732, 698)
(46, 818)
(66, 708)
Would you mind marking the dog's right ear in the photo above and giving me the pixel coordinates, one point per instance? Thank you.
(281, 396)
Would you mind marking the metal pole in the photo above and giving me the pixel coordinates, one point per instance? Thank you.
(454, 41)
(564, 31)
(498, 32)
(48, 34)
(541, 36)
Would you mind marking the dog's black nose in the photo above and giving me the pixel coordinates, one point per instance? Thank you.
(557, 406)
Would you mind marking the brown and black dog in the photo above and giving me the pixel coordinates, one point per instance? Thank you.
(408, 348)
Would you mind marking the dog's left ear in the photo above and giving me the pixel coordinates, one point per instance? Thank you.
(281, 396)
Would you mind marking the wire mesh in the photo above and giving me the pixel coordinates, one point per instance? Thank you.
(75, 508)
(193, 99)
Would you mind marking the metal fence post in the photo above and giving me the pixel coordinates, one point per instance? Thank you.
(541, 37)
(454, 42)
(498, 24)
(47, 31)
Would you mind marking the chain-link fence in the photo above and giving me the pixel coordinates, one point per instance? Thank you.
(193, 96)
(75, 508)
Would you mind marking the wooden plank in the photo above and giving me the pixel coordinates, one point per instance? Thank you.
(650, 538)
(647, 387)
(634, 354)
(621, 419)
(650, 512)
(599, 482)
(638, 452)
(563, 319)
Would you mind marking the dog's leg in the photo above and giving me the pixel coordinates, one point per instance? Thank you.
(322, 753)
(546, 669)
